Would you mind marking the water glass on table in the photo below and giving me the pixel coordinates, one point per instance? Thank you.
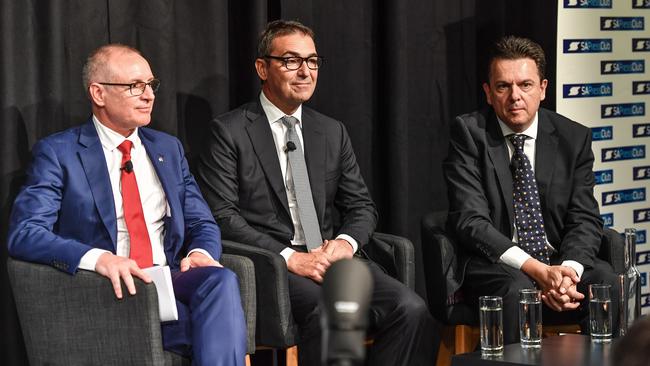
(600, 314)
(530, 318)
(491, 322)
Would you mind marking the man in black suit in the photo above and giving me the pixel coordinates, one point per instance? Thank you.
(489, 206)
(248, 180)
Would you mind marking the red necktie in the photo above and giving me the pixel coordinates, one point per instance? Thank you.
(133, 215)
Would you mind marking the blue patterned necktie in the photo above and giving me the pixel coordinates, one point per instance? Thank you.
(528, 211)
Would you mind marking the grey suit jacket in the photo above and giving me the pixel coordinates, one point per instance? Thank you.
(241, 179)
(479, 181)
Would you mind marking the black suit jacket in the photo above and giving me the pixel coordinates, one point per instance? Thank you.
(479, 181)
(241, 179)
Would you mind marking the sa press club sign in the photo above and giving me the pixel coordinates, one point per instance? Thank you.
(622, 110)
(587, 90)
(587, 45)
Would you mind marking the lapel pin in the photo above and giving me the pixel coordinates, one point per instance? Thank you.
(160, 159)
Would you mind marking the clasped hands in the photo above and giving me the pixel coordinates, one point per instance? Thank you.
(314, 264)
(557, 283)
(116, 267)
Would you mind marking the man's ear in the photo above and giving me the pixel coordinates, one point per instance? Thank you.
(260, 67)
(96, 94)
(486, 89)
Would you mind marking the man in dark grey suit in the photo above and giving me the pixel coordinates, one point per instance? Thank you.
(252, 186)
(543, 233)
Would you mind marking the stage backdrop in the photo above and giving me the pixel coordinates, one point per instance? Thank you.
(396, 72)
(603, 50)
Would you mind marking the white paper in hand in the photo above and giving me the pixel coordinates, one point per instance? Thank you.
(162, 278)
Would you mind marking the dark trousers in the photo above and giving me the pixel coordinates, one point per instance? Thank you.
(211, 328)
(483, 278)
(404, 332)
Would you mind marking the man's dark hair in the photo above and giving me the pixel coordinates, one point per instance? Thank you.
(279, 28)
(514, 48)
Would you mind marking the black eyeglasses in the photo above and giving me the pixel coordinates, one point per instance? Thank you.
(138, 87)
(295, 62)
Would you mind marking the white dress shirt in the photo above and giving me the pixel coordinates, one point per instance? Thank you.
(279, 130)
(152, 195)
(515, 256)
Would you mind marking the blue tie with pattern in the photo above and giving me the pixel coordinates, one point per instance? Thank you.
(528, 211)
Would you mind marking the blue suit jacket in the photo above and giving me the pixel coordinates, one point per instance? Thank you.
(66, 206)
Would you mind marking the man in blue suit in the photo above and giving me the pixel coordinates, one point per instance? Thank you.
(112, 196)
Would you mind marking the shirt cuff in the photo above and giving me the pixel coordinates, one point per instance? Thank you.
(286, 253)
(200, 251)
(349, 239)
(89, 260)
(579, 268)
(514, 257)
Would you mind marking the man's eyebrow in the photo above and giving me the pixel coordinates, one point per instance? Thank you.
(296, 54)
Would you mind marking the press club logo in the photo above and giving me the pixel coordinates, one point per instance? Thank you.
(604, 176)
(640, 87)
(641, 4)
(641, 130)
(623, 196)
(587, 90)
(622, 110)
(640, 237)
(642, 215)
(587, 45)
(641, 44)
(621, 23)
(602, 133)
(608, 219)
(605, 4)
(622, 67)
(622, 153)
(641, 172)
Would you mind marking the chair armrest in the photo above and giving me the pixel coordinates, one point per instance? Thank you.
(612, 249)
(245, 271)
(275, 324)
(77, 320)
(395, 254)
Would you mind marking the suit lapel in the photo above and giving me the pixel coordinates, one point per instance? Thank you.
(498, 152)
(94, 165)
(263, 143)
(314, 147)
(545, 152)
(162, 165)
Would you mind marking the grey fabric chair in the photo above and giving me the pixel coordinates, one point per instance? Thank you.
(77, 320)
(444, 272)
(275, 323)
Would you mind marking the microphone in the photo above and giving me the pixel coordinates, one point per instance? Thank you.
(345, 299)
(290, 146)
(128, 166)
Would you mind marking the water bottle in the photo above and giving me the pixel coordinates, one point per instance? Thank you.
(630, 281)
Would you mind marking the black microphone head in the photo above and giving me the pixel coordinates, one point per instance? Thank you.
(290, 146)
(345, 300)
(128, 166)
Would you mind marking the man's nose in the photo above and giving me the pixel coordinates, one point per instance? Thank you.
(515, 93)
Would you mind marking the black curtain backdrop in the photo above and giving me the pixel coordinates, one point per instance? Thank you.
(396, 72)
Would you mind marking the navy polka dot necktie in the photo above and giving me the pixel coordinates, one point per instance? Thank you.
(528, 211)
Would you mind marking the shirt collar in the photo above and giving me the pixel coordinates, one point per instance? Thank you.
(531, 131)
(111, 140)
(274, 114)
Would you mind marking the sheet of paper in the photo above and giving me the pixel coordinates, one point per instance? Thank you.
(162, 278)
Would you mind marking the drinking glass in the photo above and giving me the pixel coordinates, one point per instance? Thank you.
(491, 321)
(530, 318)
(600, 314)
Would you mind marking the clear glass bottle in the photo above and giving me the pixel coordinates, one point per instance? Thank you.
(630, 281)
